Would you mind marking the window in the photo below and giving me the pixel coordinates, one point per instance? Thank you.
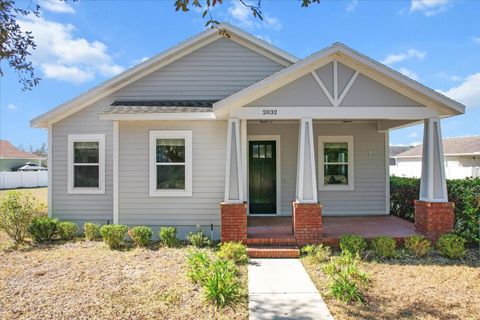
(86, 163)
(170, 163)
(335, 163)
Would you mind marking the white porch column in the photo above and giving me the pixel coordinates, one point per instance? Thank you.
(233, 174)
(433, 185)
(306, 174)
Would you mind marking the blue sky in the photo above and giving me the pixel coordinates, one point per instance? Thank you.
(436, 42)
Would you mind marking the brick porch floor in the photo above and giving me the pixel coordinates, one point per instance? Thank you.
(334, 227)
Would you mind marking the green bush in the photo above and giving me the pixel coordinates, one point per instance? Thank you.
(352, 244)
(66, 230)
(221, 285)
(465, 193)
(451, 246)
(113, 235)
(43, 229)
(347, 281)
(17, 210)
(198, 239)
(92, 231)
(417, 246)
(384, 247)
(317, 253)
(168, 236)
(234, 251)
(198, 264)
(141, 236)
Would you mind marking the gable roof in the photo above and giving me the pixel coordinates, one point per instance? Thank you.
(383, 74)
(394, 150)
(157, 62)
(451, 146)
(8, 151)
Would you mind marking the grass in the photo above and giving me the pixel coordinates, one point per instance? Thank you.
(40, 193)
(86, 280)
(429, 288)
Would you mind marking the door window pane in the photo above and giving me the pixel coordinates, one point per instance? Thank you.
(170, 177)
(85, 152)
(261, 151)
(255, 151)
(85, 176)
(170, 150)
(336, 152)
(336, 174)
(268, 152)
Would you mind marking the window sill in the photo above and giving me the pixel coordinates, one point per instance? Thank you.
(336, 188)
(86, 191)
(170, 193)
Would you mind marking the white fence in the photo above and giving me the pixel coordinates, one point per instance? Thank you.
(415, 171)
(23, 179)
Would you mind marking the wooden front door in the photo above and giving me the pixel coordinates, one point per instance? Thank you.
(262, 177)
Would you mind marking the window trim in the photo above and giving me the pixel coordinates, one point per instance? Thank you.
(321, 170)
(100, 138)
(170, 134)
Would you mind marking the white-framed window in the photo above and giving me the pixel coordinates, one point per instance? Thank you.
(335, 165)
(170, 163)
(86, 163)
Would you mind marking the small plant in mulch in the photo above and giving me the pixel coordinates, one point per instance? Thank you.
(66, 230)
(384, 247)
(352, 244)
(451, 246)
(92, 231)
(113, 235)
(417, 246)
(316, 253)
(199, 239)
(43, 229)
(234, 251)
(168, 236)
(141, 235)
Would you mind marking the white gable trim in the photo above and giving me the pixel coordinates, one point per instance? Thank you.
(361, 63)
(157, 62)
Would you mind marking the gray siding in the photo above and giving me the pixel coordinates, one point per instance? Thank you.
(208, 181)
(212, 72)
(81, 207)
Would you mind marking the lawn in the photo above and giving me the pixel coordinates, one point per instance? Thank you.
(40, 193)
(86, 280)
(428, 288)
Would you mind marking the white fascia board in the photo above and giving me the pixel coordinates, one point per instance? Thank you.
(159, 116)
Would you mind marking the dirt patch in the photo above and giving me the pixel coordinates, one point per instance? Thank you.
(431, 288)
(86, 280)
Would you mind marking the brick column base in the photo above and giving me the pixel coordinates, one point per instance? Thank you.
(434, 219)
(234, 221)
(307, 222)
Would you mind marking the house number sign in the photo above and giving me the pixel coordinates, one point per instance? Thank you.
(266, 112)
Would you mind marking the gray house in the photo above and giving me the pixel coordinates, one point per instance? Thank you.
(225, 127)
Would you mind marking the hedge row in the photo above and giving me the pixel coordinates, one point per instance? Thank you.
(465, 193)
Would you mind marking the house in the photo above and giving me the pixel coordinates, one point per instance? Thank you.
(394, 150)
(226, 131)
(461, 157)
(12, 158)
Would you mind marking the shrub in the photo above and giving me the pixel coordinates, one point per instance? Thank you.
(168, 236)
(234, 251)
(16, 213)
(141, 236)
(113, 235)
(92, 231)
(352, 244)
(384, 247)
(451, 246)
(66, 230)
(317, 253)
(417, 246)
(347, 281)
(221, 285)
(43, 229)
(198, 264)
(198, 239)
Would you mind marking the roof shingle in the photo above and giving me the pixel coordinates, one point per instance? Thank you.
(461, 145)
(7, 150)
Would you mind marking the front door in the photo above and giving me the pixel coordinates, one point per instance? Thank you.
(262, 177)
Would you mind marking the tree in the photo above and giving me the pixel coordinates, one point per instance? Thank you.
(16, 44)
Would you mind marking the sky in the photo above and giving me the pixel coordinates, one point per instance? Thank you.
(81, 44)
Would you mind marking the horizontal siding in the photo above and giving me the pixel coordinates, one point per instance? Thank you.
(208, 177)
(81, 207)
(213, 72)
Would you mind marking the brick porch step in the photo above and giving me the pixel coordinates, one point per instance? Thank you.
(260, 240)
(273, 252)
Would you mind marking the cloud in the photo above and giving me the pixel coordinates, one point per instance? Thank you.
(62, 56)
(11, 106)
(408, 73)
(467, 92)
(351, 5)
(413, 135)
(243, 15)
(56, 6)
(137, 61)
(429, 7)
(476, 40)
(264, 38)
(409, 54)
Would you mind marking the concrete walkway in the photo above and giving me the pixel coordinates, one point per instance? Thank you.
(282, 289)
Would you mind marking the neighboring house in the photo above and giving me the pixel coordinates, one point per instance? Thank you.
(394, 150)
(462, 159)
(12, 158)
(225, 117)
